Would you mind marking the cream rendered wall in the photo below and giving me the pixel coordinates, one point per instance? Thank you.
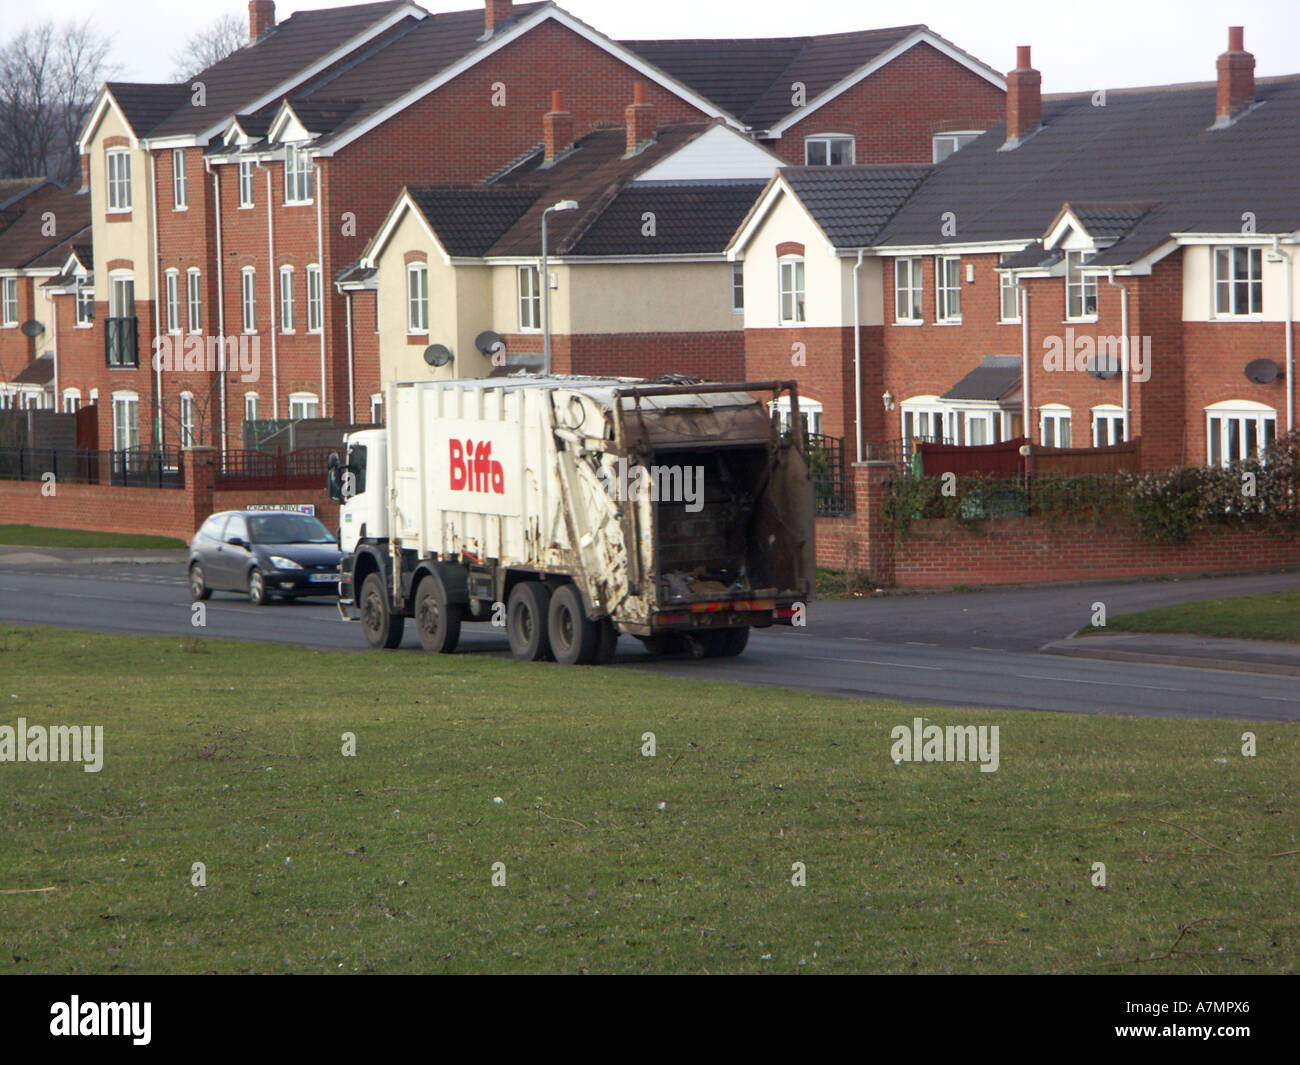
(1198, 283)
(398, 359)
(824, 296)
(650, 298)
(121, 240)
(871, 290)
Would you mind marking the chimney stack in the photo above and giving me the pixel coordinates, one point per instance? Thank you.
(261, 17)
(1024, 99)
(557, 125)
(640, 118)
(1236, 78)
(498, 13)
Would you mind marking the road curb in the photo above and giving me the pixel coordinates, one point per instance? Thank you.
(1073, 648)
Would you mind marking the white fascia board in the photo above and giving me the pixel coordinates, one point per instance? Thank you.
(404, 203)
(1236, 237)
(919, 37)
(1066, 221)
(499, 41)
(757, 213)
(993, 247)
(593, 260)
(96, 116)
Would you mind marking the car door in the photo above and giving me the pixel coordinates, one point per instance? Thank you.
(207, 549)
(233, 559)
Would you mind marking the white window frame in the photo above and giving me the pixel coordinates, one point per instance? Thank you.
(1112, 418)
(934, 413)
(250, 406)
(71, 400)
(1007, 283)
(194, 300)
(1230, 285)
(9, 302)
(117, 180)
(738, 287)
(299, 177)
(180, 200)
(84, 303)
(187, 436)
(914, 288)
(947, 289)
(315, 305)
(828, 141)
(117, 283)
(809, 408)
(1085, 285)
(417, 299)
(1244, 416)
(247, 184)
(172, 286)
(286, 300)
(528, 283)
(1051, 416)
(306, 404)
(248, 298)
(126, 431)
(791, 283)
(958, 138)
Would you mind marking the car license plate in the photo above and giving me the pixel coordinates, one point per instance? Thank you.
(325, 578)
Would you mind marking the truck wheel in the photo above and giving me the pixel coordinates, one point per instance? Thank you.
(733, 642)
(574, 637)
(383, 627)
(526, 615)
(607, 642)
(437, 622)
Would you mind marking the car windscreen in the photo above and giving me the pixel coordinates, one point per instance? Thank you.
(288, 529)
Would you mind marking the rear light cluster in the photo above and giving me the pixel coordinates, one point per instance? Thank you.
(724, 605)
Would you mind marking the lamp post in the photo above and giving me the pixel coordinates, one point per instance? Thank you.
(563, 205)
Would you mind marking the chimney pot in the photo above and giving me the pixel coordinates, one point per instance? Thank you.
(1236, 83)
(1022, 57)
(1024, 98)
(261, 17)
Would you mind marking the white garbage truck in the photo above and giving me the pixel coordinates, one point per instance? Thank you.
(570, 510)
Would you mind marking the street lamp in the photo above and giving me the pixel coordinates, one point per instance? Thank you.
(563, 205)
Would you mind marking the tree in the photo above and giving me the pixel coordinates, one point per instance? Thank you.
(49, 76)
(210, 45)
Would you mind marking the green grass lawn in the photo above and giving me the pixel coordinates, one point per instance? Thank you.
(1275, 616)
(230, 755)
(36, 536)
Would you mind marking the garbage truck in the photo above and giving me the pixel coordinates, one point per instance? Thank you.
(571, 510)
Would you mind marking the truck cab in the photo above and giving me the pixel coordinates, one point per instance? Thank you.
(359, 484)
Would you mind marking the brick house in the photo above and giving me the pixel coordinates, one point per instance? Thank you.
(226, 206)
(1097, 268)
(640, 283)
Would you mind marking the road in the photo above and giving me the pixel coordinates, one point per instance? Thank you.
(952, 649)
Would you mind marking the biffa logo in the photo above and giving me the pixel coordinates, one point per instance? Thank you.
(473, 469)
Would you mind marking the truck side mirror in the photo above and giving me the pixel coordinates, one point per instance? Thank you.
(335, 489)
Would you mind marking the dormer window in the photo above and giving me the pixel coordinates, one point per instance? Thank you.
(1080, 290)
(298, 186)
(944, 144)
(832, 149)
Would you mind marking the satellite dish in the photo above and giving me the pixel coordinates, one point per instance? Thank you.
(32, 328)
(1103, 368)
(1263, 371)
(437, 355)
(490, 343)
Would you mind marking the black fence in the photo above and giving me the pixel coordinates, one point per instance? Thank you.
(136, 467)
(831, 488)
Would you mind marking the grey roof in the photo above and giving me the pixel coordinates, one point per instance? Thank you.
(690, 218)
(1031, 256)
(470, 219)
(753, 79)
(853, 203)
(1109, 221)
(1149, 148)
(146, 105)
(992, 379)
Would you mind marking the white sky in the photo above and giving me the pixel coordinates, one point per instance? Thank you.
(1078, 44)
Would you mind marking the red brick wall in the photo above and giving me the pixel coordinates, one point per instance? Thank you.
(896, 111)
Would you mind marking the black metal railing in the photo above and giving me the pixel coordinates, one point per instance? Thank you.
(831, 489)
(137, 467)
(121, 346)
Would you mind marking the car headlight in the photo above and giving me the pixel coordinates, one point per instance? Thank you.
(280, 562)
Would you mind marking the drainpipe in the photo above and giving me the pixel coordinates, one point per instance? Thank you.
(270, 241)
(857, 348)
(320, 259)
(1126, 365)
(157, 321)
(352, 388)
(1290, 333)
(54, 337)
(1027, 427)
(221, 304)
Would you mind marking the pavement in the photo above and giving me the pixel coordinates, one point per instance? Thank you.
(1203, 652)
(17, 555)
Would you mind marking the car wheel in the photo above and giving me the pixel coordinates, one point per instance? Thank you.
(383, 627)
(574, 637)
(257, 593)
(437, 622)
(199, 589)
(526, 615)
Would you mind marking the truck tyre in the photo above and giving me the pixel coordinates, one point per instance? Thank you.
(574, 637)
(733, 642)
(383, 627)
(437, 622)
(607, 642)
(526, 621)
